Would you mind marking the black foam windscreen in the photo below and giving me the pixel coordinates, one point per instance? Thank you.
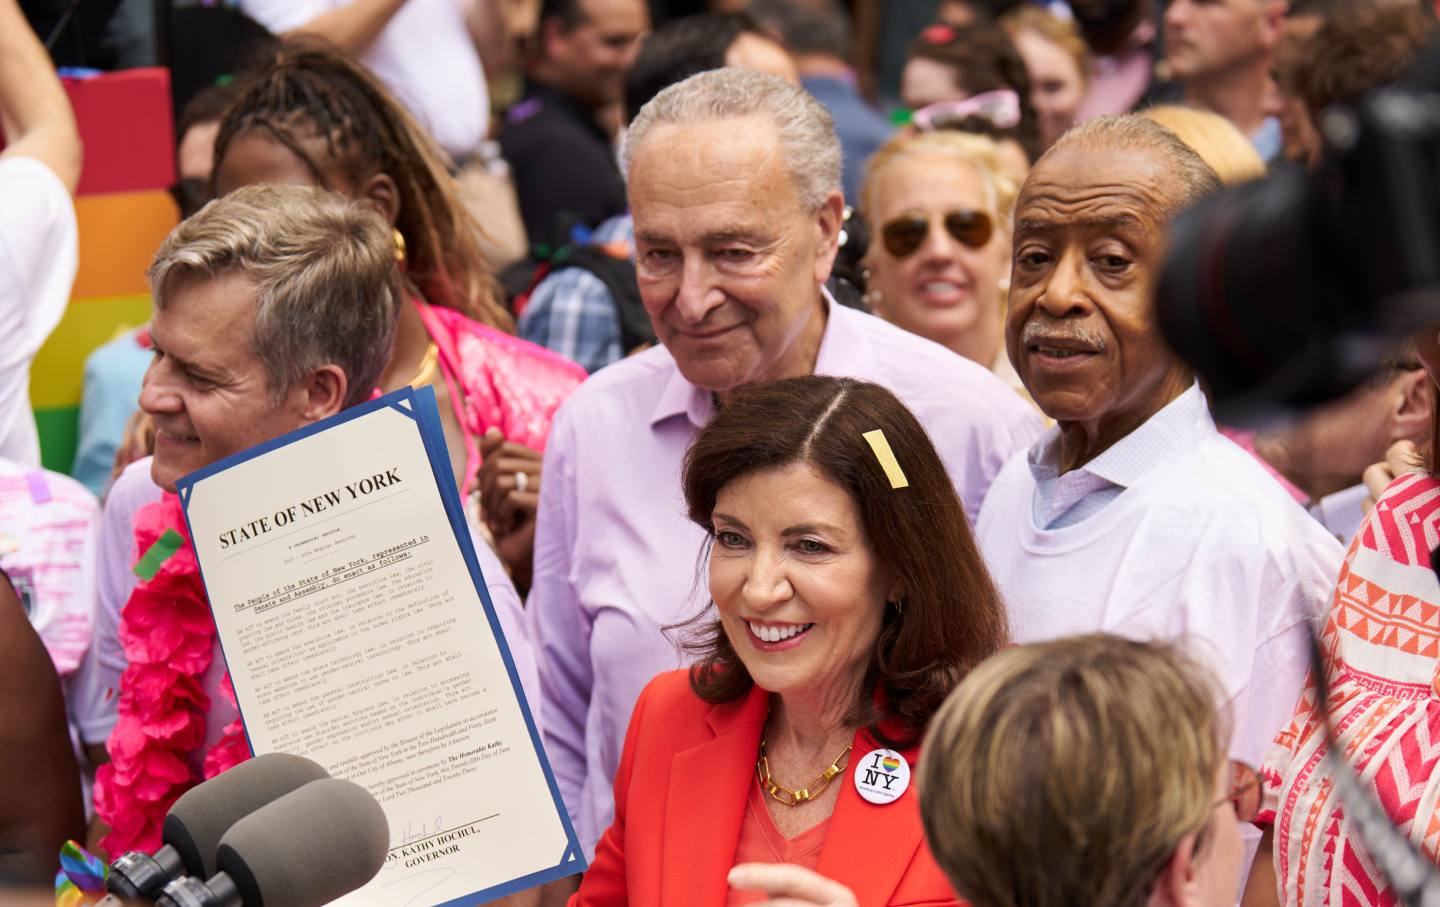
(308, 848)
(202, 815)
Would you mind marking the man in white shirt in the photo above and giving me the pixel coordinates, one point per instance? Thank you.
(38, 236)
(1133, 514)
(428, 52)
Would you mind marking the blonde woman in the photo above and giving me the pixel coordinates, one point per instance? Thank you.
(1090, 770)
(939, 206)
(1214, 138)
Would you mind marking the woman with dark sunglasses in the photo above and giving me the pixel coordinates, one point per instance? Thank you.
(938, 205)
(1089, 770)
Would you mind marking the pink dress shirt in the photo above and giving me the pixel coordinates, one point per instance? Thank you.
(616, 560)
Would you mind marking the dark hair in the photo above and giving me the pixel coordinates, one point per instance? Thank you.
(206, 106)
(569, 12)
(807, 26)
(952, 618)
(984, 59)
(309, 89)
(1360, 49)
(681, 48)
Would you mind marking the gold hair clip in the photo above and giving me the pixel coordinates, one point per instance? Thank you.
(886, 456)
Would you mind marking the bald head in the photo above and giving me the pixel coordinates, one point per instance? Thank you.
(1186, 178)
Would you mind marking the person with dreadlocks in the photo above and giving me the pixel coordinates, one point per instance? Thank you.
(313, 116)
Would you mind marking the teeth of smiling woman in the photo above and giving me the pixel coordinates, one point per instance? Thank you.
(776, 634)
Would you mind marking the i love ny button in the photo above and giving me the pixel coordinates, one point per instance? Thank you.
(882, 776)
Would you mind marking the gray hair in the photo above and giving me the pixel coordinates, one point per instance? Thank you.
(324, 272)
(804, 129)
(1190, 178)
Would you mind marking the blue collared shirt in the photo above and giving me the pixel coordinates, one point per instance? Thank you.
(1064, 499)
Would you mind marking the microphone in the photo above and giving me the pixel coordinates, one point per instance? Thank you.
(306, 849)
(197, 821)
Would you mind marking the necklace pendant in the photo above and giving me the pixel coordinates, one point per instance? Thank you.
(802, 795)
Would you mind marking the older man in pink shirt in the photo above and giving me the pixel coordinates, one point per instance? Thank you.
(734, 184)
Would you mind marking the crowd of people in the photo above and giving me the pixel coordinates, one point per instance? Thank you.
(866, 337)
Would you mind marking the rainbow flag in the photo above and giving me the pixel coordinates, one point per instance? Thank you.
(124, 211)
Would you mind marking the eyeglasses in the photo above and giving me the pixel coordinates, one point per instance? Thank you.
(903, 235)
(1245, 793)
(1000, 108)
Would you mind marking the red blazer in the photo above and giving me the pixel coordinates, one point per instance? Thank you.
(680, 797)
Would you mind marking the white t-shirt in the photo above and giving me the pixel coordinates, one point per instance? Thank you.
(1205, 549)
(39, 252)
(424, 55)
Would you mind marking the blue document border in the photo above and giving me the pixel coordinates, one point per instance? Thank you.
(419, 404)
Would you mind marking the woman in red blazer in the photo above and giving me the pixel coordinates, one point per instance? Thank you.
(849, 598)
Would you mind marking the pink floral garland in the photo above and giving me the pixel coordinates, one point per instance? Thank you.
(168, 636)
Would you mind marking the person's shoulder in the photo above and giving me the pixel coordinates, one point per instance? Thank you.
(669, 694)
(133, 489)
(506, 351)
(921, 371)
(542, 130)
(627, 389)
(1246, 503)
(34, 195)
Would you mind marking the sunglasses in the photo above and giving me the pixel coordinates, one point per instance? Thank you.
(1245, 793)
(1001, 109)
(903, 235)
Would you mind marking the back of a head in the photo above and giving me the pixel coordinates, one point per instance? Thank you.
(1361, 49)
(678, 50)
(1068, 772)
(1214, 138)
(804, 130)
(810, 27)
(323, 268)
(1188, 177)
(307, 848)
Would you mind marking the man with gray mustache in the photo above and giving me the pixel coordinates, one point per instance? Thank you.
(1133, 515)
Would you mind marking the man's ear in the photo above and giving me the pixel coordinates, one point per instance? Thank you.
(829, 220)
(1178, 883)
(1411, 399)
(323, 394)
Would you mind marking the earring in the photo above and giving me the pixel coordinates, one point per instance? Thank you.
(1004, 284)
(899, 608)
(399, 246)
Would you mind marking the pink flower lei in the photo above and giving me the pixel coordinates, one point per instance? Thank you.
(168, 636)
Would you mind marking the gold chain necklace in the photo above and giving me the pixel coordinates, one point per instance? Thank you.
(796, 797)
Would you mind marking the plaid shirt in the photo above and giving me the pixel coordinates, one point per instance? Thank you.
(571, 311)
(1064, 499)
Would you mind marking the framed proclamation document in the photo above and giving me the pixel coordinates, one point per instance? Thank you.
(358, 632)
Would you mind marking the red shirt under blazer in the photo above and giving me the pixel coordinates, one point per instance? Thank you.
(680, 797)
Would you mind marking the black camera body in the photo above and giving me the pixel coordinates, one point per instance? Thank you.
(1290, 291)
